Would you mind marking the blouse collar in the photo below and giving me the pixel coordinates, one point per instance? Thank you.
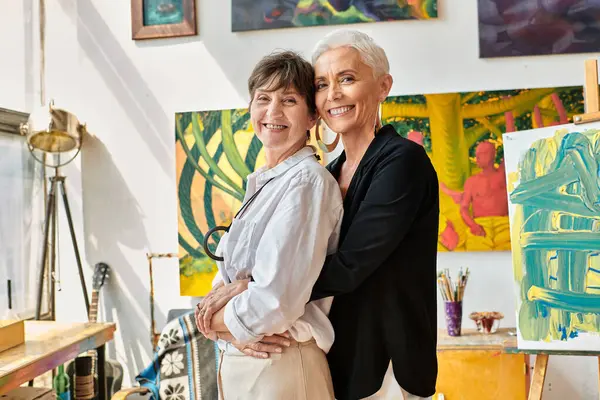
(262, 175)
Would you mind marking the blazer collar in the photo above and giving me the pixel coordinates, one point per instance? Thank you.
(379, 141)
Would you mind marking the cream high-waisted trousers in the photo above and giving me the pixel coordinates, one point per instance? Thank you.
(301, 372)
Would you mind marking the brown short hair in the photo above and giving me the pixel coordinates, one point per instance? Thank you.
(285, 69)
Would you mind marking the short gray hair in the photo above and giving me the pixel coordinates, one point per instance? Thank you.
(370, 52)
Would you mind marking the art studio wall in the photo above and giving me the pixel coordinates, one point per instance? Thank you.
(123, 187)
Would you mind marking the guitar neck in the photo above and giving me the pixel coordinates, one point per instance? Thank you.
(93, 317)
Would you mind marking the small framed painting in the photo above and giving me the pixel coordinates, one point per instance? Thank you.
(153, 19)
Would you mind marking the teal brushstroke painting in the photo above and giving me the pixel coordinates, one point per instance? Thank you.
(553, 189)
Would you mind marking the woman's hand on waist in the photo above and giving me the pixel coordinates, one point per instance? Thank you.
(216, 299)
(263, 349)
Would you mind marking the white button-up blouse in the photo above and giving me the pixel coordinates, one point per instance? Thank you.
(281, 239)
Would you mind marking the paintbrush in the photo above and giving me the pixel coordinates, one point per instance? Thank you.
(453, 290)
(445, 287)
(440, 286)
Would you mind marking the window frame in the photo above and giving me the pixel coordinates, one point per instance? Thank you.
(10, 123)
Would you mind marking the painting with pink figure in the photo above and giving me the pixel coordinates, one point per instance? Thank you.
(462, 134)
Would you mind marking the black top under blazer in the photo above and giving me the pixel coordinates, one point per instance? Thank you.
(383, 275)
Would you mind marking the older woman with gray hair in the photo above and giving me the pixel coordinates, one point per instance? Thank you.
(383, 274)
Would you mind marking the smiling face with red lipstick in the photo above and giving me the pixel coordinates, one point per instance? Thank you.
(347, 91)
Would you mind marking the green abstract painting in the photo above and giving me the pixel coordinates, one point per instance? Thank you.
(553, 187)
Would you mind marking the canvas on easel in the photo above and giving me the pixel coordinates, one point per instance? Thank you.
(553, 188)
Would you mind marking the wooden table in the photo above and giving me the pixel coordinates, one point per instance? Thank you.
(49, 344)
(477, 366)
(471, 339)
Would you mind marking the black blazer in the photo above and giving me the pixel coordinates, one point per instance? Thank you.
(383, 275)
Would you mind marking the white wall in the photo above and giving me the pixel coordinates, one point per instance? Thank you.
(127, 92)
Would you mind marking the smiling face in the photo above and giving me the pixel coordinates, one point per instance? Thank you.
(347, 93)
(280, 118)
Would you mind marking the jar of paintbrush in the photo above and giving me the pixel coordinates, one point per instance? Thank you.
(452, 293)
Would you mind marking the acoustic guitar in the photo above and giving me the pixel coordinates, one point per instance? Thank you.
(114, 369)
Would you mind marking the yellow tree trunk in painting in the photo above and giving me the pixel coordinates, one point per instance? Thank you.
(449, 153)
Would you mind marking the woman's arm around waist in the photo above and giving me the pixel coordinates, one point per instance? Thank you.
(289, 258)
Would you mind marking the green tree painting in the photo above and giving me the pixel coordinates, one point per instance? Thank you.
(215, 152)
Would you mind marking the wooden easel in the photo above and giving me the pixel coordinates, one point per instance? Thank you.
(591, 96)
(592, 113)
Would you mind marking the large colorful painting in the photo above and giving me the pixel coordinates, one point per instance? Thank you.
(532, 27)
(553, 187)
(215, 152)
(271, 14)
(462, 133)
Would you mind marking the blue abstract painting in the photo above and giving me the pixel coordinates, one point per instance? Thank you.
(553, 188)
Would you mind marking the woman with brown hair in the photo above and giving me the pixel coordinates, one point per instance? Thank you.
(289, 222)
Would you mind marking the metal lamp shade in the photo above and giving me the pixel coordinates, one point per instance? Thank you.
(54, 131)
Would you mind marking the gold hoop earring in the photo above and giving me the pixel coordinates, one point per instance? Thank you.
(378, 123)
(326, 148)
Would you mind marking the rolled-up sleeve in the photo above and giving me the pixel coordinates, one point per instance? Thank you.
(289, 258)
